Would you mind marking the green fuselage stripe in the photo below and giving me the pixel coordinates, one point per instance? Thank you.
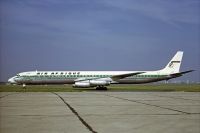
(46, 77)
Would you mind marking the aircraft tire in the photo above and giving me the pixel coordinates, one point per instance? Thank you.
(101, 88)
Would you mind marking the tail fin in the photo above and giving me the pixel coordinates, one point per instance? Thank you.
(174, 65)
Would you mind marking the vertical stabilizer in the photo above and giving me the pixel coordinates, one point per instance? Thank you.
(174, 65)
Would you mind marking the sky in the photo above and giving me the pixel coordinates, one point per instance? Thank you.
(98, 35)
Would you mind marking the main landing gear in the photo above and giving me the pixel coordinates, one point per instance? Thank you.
(24, 85)
(101, 88)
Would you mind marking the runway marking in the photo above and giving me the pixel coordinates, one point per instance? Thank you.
(149, 104)
(9, 95)
(76, 114)
(177, 114)
(176, 97)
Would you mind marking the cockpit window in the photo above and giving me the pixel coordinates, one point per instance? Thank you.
(18, 75)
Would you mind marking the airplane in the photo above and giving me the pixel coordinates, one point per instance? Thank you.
(101, 79)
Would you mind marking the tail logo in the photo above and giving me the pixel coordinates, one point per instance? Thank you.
(172, 63)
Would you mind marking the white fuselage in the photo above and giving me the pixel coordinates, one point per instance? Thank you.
(70, 77)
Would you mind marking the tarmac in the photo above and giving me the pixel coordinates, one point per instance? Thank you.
(100, 112)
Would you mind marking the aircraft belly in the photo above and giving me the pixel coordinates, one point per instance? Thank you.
(50, 81)
(139, 81)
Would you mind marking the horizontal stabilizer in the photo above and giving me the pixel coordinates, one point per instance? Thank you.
(181, 73)
(121, 76)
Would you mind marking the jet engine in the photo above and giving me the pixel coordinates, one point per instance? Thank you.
(99, 83)
(81, 84)
(91, 83)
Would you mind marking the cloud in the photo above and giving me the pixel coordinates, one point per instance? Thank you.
(171, 11)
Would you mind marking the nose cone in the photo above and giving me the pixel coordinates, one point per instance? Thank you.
(11, 80)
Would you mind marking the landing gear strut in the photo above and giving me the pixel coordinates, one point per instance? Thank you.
(24, 87)
(101, 88)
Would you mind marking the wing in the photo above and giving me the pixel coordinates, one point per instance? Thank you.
(121, 76)
(114, 78)
(180, 73)
(85, 79)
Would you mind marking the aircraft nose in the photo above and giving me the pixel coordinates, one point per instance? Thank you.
(11, 80)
